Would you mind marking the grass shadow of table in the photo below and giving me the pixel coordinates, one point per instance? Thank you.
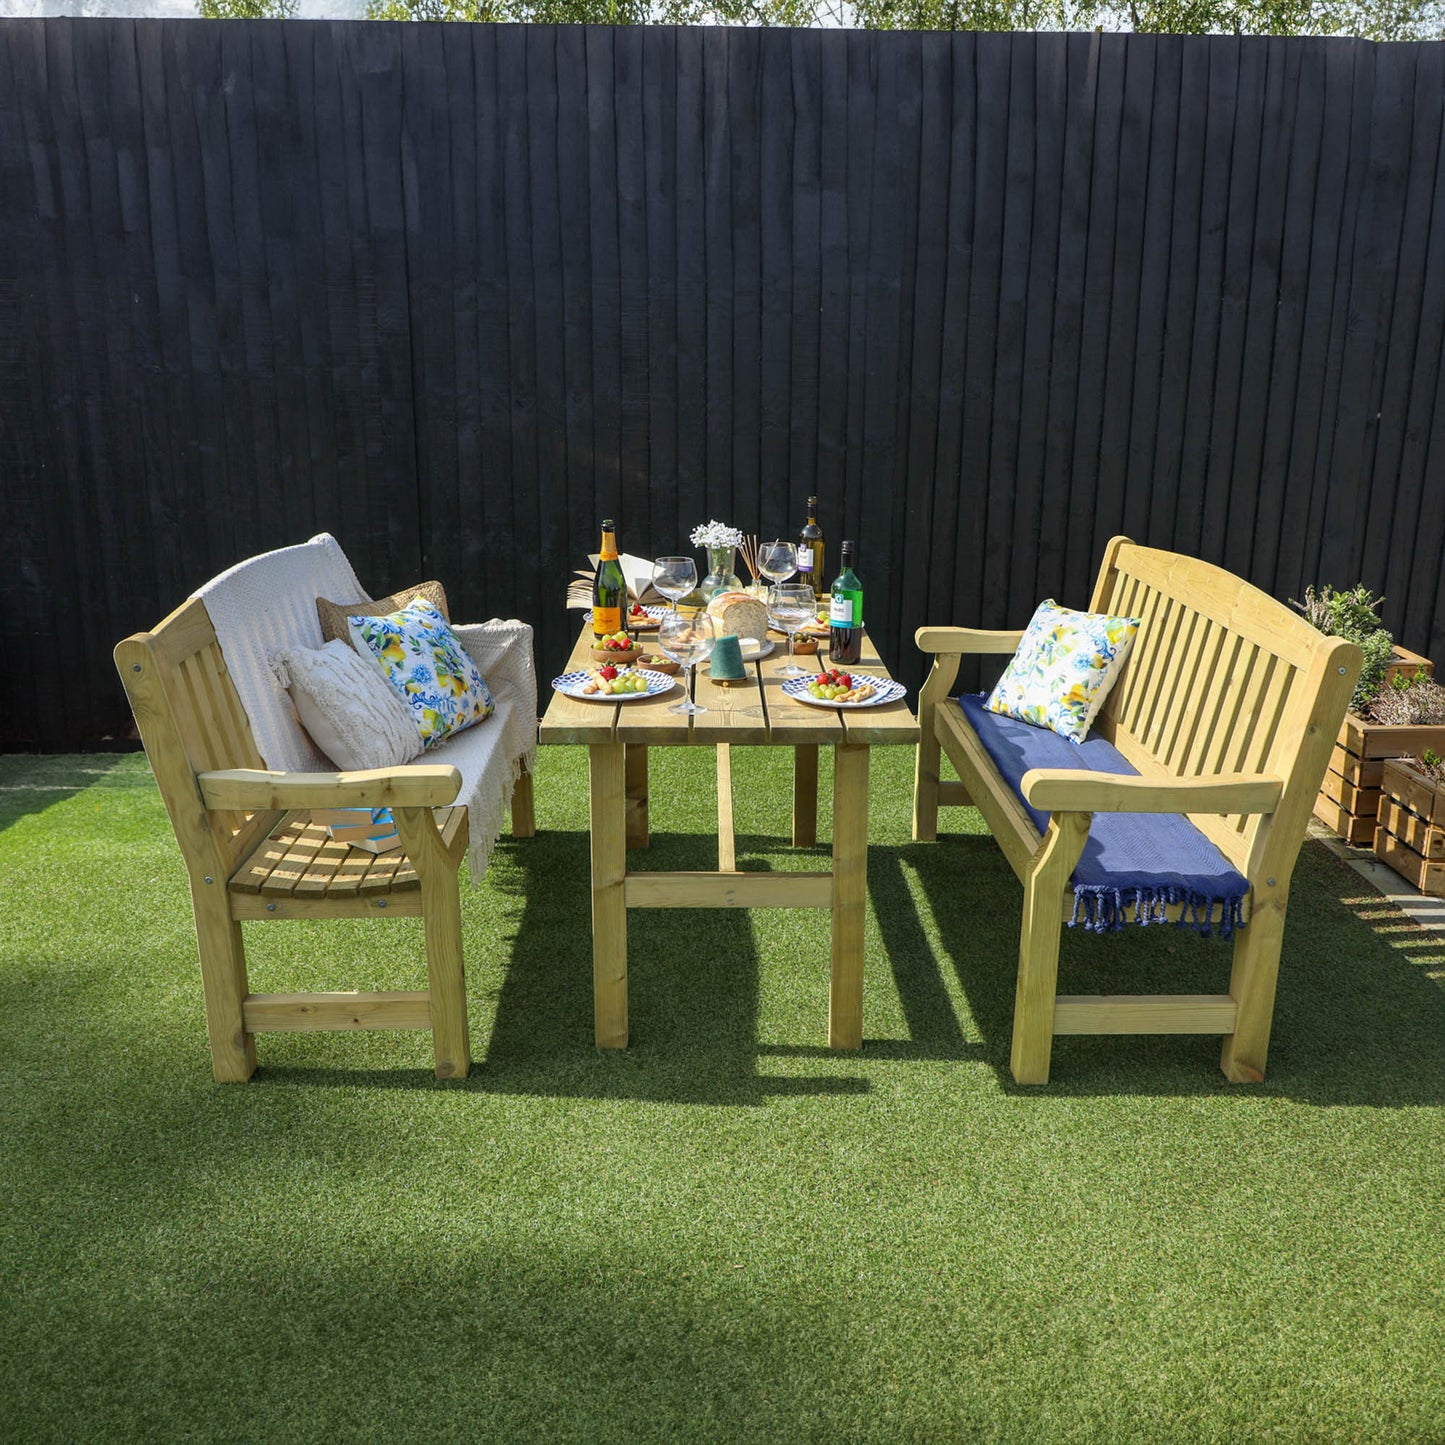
(693, 991)
(1359, 1017)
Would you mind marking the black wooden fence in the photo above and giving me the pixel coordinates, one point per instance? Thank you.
(454, 292)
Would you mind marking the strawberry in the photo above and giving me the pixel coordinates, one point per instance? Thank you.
(607, 671)
(637, 610)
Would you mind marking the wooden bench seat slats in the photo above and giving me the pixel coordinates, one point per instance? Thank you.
(1222, 680)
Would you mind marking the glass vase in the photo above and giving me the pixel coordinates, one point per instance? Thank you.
(720, 575)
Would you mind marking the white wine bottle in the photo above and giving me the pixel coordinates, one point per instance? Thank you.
(810, 552)
(845, 613)
(609, 587)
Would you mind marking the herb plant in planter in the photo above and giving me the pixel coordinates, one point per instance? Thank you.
(1349, 797)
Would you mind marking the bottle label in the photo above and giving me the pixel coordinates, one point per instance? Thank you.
(805, 559)
(606, 621)
(840, 612)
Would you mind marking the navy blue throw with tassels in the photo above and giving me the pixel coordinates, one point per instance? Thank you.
(1134, 865)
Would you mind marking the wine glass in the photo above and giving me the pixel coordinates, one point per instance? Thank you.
(777, 561)
(687, 641)
(791, 605)
(674, 578)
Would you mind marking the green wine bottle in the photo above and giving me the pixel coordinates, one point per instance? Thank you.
(609, 587)
(845, 613)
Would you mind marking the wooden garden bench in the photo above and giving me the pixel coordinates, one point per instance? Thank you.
(244, 829)
(1227, 709)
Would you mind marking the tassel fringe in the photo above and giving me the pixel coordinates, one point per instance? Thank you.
(1101, 909)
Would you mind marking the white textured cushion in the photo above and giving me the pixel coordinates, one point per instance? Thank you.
(350, 710)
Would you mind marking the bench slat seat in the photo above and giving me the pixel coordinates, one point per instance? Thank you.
(1150, 860)
(298, 858)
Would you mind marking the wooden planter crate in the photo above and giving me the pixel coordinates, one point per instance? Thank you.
(1349, 798)
(1411, 832)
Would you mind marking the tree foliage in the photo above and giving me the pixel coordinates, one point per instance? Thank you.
(1363, 19)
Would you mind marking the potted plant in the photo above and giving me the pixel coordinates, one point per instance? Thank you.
(1387, 718)
(1411, 834)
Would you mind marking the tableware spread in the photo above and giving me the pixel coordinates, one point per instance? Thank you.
(572, 683)
(885, 689)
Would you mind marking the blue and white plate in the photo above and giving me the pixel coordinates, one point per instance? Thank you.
(884, 690)
(656, 613)
(572, 683)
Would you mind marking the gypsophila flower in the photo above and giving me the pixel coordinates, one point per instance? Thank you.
(715, 534)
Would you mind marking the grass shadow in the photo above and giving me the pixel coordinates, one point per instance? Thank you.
(692, 991)
(1359, 1015)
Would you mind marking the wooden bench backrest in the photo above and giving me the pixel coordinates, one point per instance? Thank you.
(1222, 679)
(192, 721)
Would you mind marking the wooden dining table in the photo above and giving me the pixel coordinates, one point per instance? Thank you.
(753, 713)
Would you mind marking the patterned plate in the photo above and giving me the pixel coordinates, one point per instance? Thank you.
(656, 613)
(885, 690)
(572, 683)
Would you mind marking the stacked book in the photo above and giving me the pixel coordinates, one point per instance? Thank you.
(373, 829)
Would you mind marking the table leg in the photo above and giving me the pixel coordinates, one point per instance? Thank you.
(637, 816)
(727, 850)
(805, 795)
(850, 892)
(607, 767)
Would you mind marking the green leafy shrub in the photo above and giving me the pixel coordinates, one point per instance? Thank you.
(1355, 616)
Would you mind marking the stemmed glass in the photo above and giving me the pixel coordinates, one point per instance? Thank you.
(687, 641)
(674, 578)
(791, 605)
(777, 561)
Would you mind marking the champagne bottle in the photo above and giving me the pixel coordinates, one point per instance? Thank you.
(810, 552)
(845, 613)
(609, 587)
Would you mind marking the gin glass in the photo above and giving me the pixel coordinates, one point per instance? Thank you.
(777, 561)
(687, 641)
(674, 578)
(791, 605)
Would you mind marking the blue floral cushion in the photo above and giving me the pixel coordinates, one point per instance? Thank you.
(424, 660)
(1064, 667)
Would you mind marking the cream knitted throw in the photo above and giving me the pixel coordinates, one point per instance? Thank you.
(267, 605)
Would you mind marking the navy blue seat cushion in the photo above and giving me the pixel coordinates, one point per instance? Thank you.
(1134, 864)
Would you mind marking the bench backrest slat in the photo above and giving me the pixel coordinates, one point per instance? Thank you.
(1219, 680)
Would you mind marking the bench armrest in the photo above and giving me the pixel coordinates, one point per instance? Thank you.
(1071, 790)
(966, 640)
(432, 785)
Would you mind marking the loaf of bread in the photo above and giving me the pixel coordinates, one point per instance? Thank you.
(739, 614)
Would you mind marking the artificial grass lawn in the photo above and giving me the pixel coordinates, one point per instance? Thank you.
(726, 1232)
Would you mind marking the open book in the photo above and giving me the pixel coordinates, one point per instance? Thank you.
(637, 571)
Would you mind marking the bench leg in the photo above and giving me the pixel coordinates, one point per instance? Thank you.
(1033, 1035)
(442, 928)
(1252, 982)
(727, 845)
(524, 812)
(224, 985)
(925, 784)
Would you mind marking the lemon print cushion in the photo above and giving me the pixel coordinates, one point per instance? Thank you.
(1064, 667)
(424, 660)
